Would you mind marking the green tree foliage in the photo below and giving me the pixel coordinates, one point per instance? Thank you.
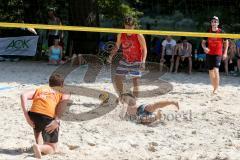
(11, 10)
(199, 11)
(115, 9)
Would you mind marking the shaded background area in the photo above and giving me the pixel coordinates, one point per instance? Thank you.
(180, 15)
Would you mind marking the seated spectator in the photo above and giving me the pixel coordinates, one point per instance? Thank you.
(184, 51)
(77, 59)
(111, 38)
(156, 46)
(55, 53)
(228, 63)
(103, 45)
(200, 58)
(238, 55)
(168, 46)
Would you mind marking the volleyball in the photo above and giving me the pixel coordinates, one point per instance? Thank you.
(104, 97)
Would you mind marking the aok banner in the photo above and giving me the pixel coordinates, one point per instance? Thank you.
(22, 46)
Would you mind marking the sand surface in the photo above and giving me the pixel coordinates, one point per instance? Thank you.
(207, 127)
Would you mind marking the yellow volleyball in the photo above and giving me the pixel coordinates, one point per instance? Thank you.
(104, 97)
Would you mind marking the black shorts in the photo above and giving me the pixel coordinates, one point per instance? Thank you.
(142, 112)
(78, 47)
(168, 60)
(213, 61)
(41, 121)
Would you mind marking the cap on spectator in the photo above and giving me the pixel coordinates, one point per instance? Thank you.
(53, 9)
(215, 18)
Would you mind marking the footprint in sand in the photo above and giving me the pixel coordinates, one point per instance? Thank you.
(91, 144)
(72, 147)
(217, 98)
(151, 147)
(194, 132)
(221, 156)
(203, 104)
(134, 145)
(153, 144)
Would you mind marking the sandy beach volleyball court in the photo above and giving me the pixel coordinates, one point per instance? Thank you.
(206, 127)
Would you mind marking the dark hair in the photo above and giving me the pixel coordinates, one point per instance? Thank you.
(129, 21)
(183, 38)
(53, 10)
(56, 39)
(56, 80)
(179, 41)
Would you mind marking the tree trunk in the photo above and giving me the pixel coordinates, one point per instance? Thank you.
(83, 13)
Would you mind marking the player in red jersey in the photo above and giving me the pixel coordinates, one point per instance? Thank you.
(216, 50)
(134, 52)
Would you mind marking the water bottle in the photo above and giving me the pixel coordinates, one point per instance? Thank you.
(195, 56)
